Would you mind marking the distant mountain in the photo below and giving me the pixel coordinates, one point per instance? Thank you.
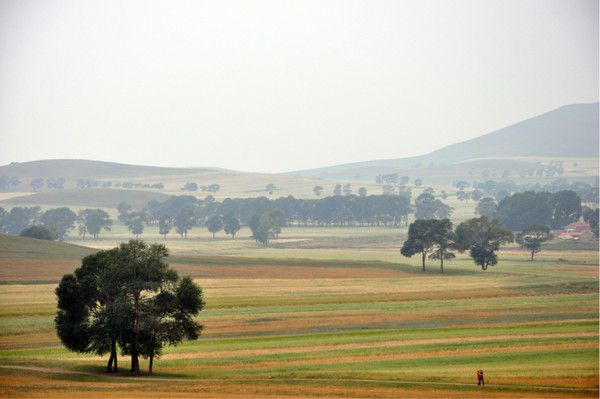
(81, 168)
(570, 131)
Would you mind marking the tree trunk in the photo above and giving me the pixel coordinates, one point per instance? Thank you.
(532, 256)
(213, 236)
(424, 254)
(113, 353)
(442, 263)
(116, 367)
(135, 363)
(110, 363)
(151, 357)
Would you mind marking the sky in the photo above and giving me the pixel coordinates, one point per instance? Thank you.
(273, 86)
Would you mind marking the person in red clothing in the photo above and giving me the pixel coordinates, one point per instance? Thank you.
(480, 380)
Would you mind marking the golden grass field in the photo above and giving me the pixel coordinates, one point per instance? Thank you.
(325, 313)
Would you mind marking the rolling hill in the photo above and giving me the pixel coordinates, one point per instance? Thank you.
(85, 169)
(92, 197)
(12, 247)
(567, 132)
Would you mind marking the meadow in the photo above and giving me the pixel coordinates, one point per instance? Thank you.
(324, 312)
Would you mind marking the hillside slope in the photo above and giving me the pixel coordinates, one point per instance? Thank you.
(81, 168)
(12, 247)
(566, 132)
(92, 197)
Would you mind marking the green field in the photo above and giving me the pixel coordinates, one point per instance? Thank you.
(345, 316)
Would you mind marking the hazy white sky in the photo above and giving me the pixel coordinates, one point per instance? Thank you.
(281, 85)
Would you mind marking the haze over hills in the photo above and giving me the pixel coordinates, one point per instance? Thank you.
(82, 168)
(570, 131)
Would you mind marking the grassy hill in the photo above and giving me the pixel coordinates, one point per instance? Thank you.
(91, 197)
(85, 169)
(12, 247)
(569, 132)
(31, 261)
(232, 183)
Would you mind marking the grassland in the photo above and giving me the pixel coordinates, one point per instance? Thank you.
(356, 320)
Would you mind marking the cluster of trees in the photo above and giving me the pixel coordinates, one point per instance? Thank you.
(128, 298)
(502, 189)
(339, 189)
(520, 210)
(348, 210)
(57, 221)
(9, 183)
(435, 239)
(129, 184)
(191, 186)
(92, 183)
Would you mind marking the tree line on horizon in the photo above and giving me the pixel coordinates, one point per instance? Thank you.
(182, 213)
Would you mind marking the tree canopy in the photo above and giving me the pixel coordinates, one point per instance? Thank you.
(482, 237)
(127, 296)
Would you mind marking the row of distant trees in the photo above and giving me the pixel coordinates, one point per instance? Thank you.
(10, 183)
(56, 222)
(191, 186)
(183, 213)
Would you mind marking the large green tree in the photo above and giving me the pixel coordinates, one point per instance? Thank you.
(482, 237)
(127, 296)
(93, 313)
(169, 318)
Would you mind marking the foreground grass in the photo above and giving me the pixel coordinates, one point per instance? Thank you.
(354, 326)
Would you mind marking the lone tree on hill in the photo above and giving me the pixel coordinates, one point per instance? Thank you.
(270, 188)
(317, 190)
(482, 237)
(532, 238)
(127, 296)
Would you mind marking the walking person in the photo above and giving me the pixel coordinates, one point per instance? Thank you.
(480, 378)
